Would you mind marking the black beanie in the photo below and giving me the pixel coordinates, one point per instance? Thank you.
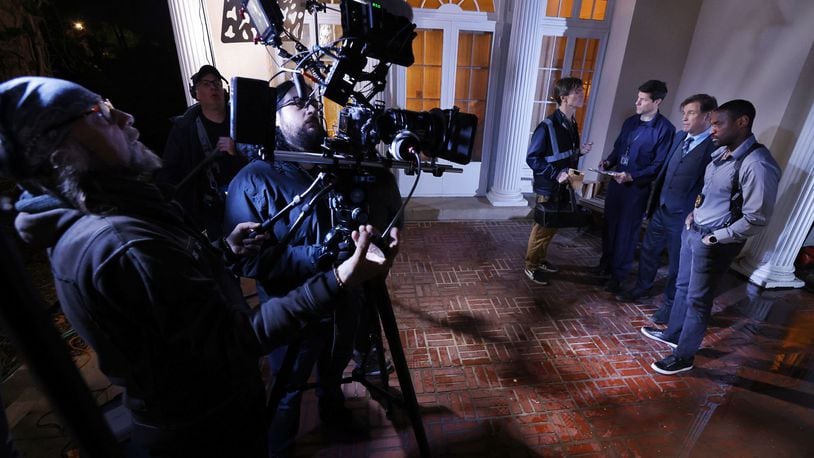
(36, 115)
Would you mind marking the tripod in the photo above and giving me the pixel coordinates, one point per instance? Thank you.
(375, 292)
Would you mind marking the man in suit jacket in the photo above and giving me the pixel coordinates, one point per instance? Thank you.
(677, 186)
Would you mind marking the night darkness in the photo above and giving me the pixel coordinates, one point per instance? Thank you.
(124, 52)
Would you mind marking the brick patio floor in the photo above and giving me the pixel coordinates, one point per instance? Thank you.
(504, 367)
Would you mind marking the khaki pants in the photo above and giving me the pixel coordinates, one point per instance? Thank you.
(539, 239)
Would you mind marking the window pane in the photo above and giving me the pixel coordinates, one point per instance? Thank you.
(599, 10)
(552, 57)
(559, 8)
(583, 67)
(586, 9)
(424, 76)
(472, 80)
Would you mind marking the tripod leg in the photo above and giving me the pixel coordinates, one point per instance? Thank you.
(391, 331)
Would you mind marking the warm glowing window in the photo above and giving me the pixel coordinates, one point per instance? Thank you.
(583, 60)
(552, 58)
(472, 79)
(588, 9)
(486, 6)
(424, 76)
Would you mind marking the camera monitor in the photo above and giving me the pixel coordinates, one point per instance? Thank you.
(252, 112)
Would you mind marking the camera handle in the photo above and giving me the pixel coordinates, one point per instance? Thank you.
(320, 180)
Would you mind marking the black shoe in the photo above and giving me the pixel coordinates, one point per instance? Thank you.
(672, 365)
(548, 267)
(537, 276)
(632, 295)
(613, 286)
(658, 335)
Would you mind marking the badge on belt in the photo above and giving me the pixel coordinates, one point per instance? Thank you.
(699, 200)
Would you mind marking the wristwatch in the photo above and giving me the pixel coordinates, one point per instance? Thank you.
(712, 239)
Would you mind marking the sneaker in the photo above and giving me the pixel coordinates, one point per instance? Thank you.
(632, 295)
(672, 365)
(537, 276)
(548, 267)
(658, 335)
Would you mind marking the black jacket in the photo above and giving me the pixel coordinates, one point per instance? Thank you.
(201, 195)
(166, 318)
(540, 156)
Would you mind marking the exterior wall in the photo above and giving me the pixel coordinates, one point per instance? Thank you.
(648, 40)
(236, 59)
(755, 50)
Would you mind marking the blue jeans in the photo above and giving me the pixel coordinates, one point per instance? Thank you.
(701, 267)
(663, 232)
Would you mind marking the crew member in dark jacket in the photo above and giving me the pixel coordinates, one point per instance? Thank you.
(637, 157)
(202, 134)
(257, 193)
(676, 188)
(551, 163)
(148, 293)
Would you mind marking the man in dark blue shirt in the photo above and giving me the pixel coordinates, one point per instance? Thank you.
(637, 156)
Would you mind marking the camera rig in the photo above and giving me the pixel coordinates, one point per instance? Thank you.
(375, 35)
(376, 32)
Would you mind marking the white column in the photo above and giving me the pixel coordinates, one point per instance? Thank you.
(189, 25)
(769, 256)
(520, 80)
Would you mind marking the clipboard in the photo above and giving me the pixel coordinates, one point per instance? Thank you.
(605, 172)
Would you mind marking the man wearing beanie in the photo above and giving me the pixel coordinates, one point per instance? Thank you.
(199, 134)
(149, 294)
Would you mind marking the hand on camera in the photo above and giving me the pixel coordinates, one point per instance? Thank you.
(368, 260)
(226, 144)
(242, 243)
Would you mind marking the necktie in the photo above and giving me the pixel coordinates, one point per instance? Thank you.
(685, 148)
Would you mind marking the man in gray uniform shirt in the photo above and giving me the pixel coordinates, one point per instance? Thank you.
(736, 202)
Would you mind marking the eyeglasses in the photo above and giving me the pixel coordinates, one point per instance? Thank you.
(300, 103)
(214, 84)
(104, 109)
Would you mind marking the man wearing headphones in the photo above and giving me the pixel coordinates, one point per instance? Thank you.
(200, 158)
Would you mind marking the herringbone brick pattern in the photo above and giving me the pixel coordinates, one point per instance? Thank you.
(504, 367)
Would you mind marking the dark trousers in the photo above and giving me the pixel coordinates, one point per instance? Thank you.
(624, 210)
(701, 267)
(663, 232)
